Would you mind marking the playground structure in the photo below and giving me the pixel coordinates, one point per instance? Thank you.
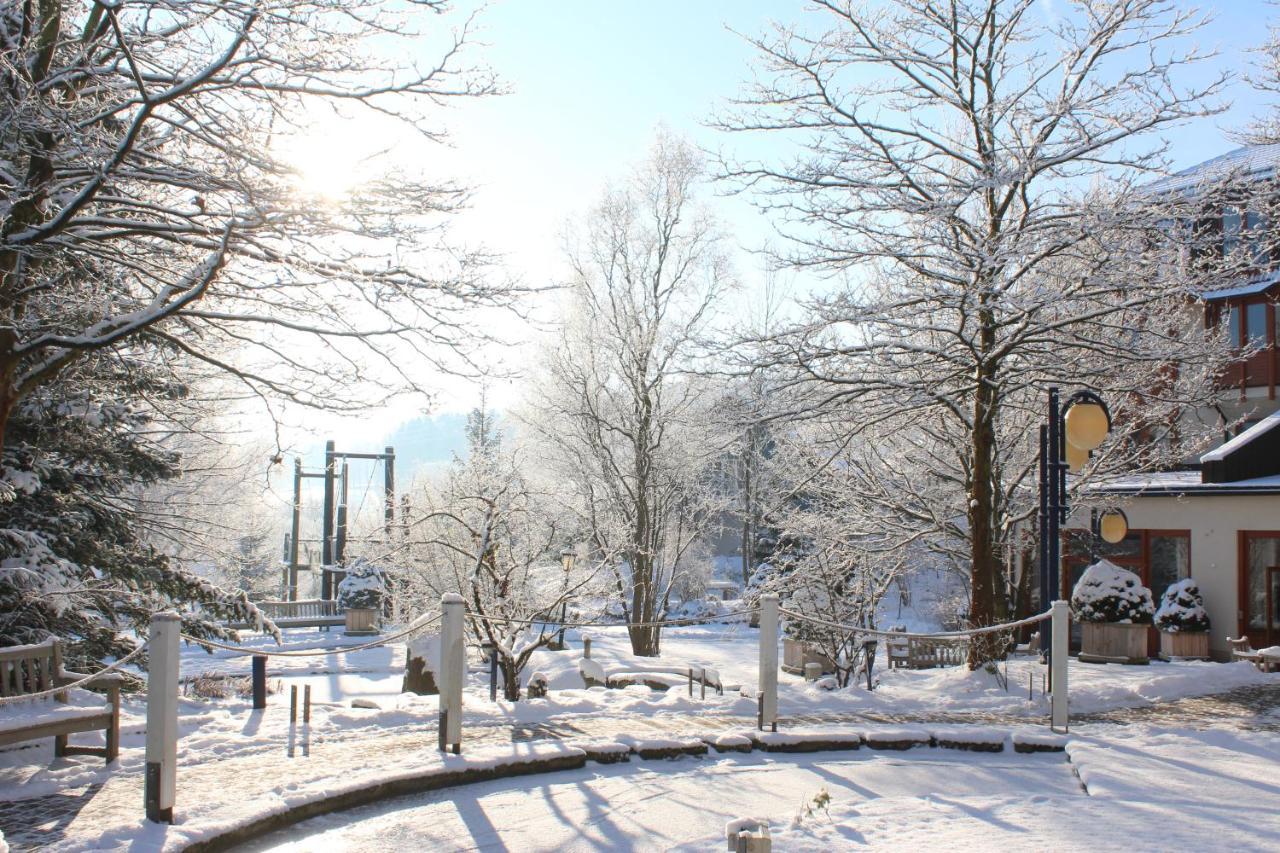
(334, 526)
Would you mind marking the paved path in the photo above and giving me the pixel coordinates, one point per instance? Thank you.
(46, 822)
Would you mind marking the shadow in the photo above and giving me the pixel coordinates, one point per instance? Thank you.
(978, 814)
(44, 819)
(254, 722)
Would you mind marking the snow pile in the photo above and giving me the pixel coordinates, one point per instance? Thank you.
(1182, 608)
(1108, 593)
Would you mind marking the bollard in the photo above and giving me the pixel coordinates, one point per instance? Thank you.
(586, 647)
(702, 676)
(162, 718)
(293, 704)
(869, 656)
(259, 682)
(493, 673)
(306, 704)
(452, 672)
(769, 661)
(690, 682)
(1058, 658)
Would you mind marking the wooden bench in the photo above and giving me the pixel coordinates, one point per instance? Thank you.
(307, 613)
(924, 653)
(1242, 649)
(25, 670)
(656, 677)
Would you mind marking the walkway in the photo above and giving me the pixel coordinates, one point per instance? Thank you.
(49, 822)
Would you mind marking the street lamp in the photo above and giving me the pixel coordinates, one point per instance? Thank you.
(567, 557)
(1073, 429)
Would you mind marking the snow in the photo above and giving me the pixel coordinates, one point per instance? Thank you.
(1108, 593)
(212, 730)
(1121, 789)
(1182, 608)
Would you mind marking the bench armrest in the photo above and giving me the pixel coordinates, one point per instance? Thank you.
(106, 679)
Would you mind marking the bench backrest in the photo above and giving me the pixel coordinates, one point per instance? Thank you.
(30, 669)
(312, 607)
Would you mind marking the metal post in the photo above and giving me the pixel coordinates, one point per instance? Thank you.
(389, 489)
(769, 661)
(493, 673)
(1045, 595)
(326, 526)
(259, 682)
(293, 704)
(452, 671)
(306, 704)
(1058, 666)
(1052, 534)
(295, 530)
(162, 718)
(586, 647)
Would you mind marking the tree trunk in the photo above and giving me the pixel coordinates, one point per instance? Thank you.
(985, 570)
(510, 679)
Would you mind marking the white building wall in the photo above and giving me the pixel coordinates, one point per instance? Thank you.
(1215, 523)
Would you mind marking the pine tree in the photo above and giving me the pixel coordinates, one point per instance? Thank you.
(75, 560)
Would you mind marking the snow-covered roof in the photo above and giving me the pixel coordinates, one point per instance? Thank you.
(1265, 425)
(1248, 162)
(1256, 284)
(1177, 483)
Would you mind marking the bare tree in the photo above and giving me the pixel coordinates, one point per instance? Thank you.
(141, 183)
(489, 535)
(625, 423)
(977, 176)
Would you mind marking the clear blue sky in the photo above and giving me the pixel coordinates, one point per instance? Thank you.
(591, 79)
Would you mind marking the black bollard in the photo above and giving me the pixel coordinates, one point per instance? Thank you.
(259, 682)
(306, 704)
(869, 655)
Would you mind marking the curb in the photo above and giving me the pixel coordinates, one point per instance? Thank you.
(620, 751)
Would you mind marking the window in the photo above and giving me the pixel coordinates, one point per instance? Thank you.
(1255, 323)
(1234, 318)
(1230, 230)
(1159, 557)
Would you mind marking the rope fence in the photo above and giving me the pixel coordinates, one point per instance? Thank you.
(417, 625)
(690, 620)
(941, 635)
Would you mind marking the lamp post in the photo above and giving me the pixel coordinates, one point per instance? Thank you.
(1073, 429)
(567, 557)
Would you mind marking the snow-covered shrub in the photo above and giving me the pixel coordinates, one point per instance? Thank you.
(709, 607)
(1108, 593)
(361, 589)
(538, 685)
(1182, 608)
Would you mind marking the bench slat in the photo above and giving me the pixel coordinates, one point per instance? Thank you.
(69, 725)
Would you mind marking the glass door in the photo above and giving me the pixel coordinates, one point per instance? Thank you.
(1260, 588)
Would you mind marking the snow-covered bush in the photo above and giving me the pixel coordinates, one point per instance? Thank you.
(538, 685)
(361, 588)
(1182, 608)
(709, 607)
(1108, 593)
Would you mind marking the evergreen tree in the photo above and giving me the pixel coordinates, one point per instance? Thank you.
(75, 560)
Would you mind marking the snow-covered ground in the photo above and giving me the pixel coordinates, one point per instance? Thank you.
(211, 729)
(215, 729)
(1141, 789)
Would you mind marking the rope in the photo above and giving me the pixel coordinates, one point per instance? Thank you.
(305, 653)
(945, 635)
(692, 620)
(53, 691)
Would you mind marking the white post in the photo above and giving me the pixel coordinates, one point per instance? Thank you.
(1058, 657)
(162, 718)
(452, 672)
(768, 683)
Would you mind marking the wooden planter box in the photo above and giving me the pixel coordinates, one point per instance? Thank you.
(1184, 644)
(1113, 642)
(362, 621)
(797, 653)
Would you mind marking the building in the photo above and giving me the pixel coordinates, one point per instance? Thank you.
(1219, 520)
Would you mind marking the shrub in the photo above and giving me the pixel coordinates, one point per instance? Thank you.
(360, 589)
(1108, 593)
(1182, 608)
